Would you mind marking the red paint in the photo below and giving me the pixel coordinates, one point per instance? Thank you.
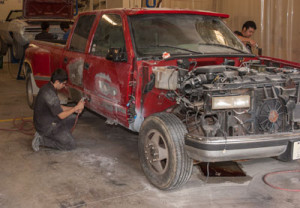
(48, 9)
(281, 62)
(174, 11)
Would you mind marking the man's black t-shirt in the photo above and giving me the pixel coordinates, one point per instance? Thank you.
(44, 36)
(238, 33)
(46, 108)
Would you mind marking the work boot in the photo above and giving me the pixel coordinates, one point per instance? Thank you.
(36, 142)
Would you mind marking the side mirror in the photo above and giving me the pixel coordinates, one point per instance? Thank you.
(116, 55)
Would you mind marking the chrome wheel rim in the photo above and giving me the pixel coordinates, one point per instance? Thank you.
(156, 152)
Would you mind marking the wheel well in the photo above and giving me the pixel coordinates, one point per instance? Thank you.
(27, 69)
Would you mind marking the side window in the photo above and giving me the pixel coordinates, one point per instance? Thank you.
(109, 34)
(81, 33)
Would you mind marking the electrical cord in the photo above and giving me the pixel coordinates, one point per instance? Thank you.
(76, 120)
(276, 187)
(207, 172)
(20, 127)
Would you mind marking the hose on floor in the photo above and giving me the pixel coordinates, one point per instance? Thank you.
(75, 122)
(24, 127)
(276, 187)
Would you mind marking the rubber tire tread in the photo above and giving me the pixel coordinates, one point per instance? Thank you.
(187, 165)
(18, 50)
(3, 47)
(176, 130)
(28, 79)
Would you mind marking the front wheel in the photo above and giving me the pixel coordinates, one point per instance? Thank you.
(161, 151)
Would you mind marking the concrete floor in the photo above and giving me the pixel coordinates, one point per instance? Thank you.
(104, 170)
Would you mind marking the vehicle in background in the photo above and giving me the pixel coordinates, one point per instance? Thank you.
(21, 26)
(181, 79)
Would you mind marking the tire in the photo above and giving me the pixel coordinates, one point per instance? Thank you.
(29, 92)
(3, 47)
(17, 49)
(161, 151)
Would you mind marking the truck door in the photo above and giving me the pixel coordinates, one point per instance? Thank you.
(74, 56)
(106, 80)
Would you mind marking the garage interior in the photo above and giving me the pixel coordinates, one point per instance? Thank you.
(104, 170)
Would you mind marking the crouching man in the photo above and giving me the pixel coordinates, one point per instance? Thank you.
(53, 122)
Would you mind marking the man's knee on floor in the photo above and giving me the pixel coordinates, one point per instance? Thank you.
(70, 146)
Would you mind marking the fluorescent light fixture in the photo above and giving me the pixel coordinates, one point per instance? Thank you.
(109, 20)
(230, 102)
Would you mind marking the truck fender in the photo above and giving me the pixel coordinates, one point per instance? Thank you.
(29, 75)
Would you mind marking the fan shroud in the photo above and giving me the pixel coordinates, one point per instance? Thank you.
(271, 116)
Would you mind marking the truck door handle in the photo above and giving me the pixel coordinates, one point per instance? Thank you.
(66, 60)
(86, 65)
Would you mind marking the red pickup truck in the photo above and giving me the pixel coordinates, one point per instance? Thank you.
(181, 79)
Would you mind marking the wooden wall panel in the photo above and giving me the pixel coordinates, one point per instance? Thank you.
(9, 5)
(192, 4)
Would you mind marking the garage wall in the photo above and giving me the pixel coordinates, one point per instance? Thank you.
(9, 5)
(278, 21)
(123, 4)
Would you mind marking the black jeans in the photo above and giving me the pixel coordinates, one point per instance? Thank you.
(60, 137)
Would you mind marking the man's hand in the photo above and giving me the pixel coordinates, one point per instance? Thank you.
(79, 107)
(247, 41)
(67, 111)
(252, 42)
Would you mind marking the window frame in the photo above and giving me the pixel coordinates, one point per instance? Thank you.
(87, 38)
(95, 35)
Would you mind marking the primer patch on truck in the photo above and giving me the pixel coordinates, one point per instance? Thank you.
(76, 71)
(104, 76)
(106, 87)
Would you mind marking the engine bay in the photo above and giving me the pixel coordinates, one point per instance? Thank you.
(227, 100)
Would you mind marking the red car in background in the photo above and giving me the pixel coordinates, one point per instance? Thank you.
(21, 26)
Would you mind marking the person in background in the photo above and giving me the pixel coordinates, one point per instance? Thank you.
(53, 122)
(245, 35)
(45, 35)
(64, 26)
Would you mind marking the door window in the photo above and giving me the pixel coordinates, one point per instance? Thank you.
(81, 33)
(109, 34)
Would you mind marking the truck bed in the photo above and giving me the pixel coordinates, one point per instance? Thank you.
(44, 53)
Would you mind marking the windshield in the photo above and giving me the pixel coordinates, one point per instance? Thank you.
(15, 15)
(180, 34)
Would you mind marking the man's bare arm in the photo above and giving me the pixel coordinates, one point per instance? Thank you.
(247, 40)
(65, 108)
(67, 111)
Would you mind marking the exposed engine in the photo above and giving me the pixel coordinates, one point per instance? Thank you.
(225, 100)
